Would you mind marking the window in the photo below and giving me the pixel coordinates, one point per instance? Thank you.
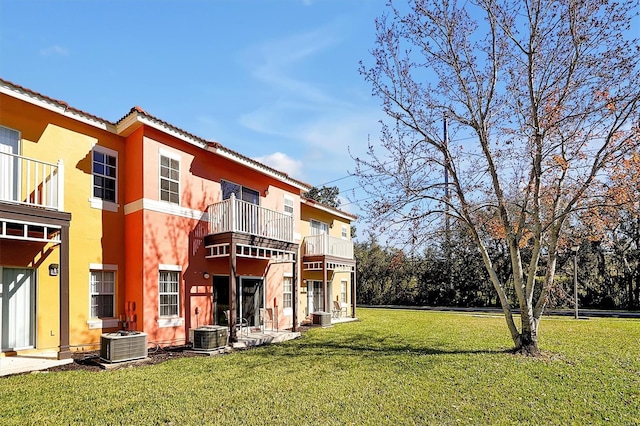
(105, 170)
(169, 179)
(168, 291)
(345, 232)
(318, 228)
(343, 291)
(241, 192)
(9, 144)
(102, 288)
(287, 292)
(288, 205)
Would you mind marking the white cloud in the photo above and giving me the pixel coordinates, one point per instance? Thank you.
(55, 50)
(283, 163)
(320, 117)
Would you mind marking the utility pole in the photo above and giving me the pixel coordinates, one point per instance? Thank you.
(574, 249)
(447, 225)
(447, 199)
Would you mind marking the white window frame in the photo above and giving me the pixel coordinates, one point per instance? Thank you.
(10, 188)
(345, 232)
(319, 226)
(172, 320)
(288, 206)
(170, 156)
(287, 306)
(343, 291)
(241, 190)
(97, 202)
(103, 322)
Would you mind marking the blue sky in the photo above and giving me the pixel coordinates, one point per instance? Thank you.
(275, 80)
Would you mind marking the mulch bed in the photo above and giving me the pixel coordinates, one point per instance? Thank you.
(90, 361)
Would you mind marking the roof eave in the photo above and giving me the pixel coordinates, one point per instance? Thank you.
(313, 203)
(233, 156)
(58, 107)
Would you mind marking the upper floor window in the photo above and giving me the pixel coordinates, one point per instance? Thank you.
(9, 146)
(105, 173)
(241, 192)
(345, 232)
(288, 205)
(318, 227)
(169, 179)
(102, 289)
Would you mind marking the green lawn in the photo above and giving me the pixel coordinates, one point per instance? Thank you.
(392, 367)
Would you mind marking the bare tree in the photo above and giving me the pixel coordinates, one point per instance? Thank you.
(541, 97)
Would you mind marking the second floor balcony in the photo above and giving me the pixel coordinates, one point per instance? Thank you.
(238, 216)
(326, 245)
(31, 182)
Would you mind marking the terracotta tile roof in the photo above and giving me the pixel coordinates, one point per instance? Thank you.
(53, 101)
(207, 143)
(140, 111)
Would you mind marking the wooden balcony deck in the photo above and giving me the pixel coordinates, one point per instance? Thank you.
(326, 245)
(233, 215)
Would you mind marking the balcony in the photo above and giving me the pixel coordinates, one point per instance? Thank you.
(237, 216)
(31, 182)
(325, 245)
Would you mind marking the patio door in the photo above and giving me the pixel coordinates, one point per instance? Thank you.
(220, 298)
(252, 299)
(248, 211)
(17, 308)
(9, 140)
(249, 299)
(314, 297)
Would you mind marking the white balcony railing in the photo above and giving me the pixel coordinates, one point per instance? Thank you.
(31, 182)
(233, 215)
(326, 245)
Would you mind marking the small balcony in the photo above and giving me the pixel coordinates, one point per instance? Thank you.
(31, 182)
(326, 245)
(237, 216)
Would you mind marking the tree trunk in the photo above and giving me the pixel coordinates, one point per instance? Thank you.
(527, 344)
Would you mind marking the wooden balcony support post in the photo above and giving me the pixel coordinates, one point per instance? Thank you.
(353, 293)
(233, 278)
(294, 295)
(64, 351)
(327, 300)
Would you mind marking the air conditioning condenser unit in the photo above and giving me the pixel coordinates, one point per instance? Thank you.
(210, 337)
(123, 346)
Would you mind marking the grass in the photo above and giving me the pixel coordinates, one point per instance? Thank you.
(392, 367)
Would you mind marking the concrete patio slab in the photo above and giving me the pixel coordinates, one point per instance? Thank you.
(24, 363)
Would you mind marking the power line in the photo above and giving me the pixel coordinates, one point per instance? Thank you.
(384, 164)
(357, 201)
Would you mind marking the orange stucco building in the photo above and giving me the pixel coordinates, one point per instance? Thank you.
(140, 225)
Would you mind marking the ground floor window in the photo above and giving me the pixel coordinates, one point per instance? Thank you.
(343, 291)
(287, 292)
(168, 291)
(102, 287)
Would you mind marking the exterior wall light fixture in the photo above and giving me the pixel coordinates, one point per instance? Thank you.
(54, 268)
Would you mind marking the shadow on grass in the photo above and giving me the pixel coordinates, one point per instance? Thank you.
(368, 344)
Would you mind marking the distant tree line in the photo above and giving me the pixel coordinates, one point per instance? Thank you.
(451, 272)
